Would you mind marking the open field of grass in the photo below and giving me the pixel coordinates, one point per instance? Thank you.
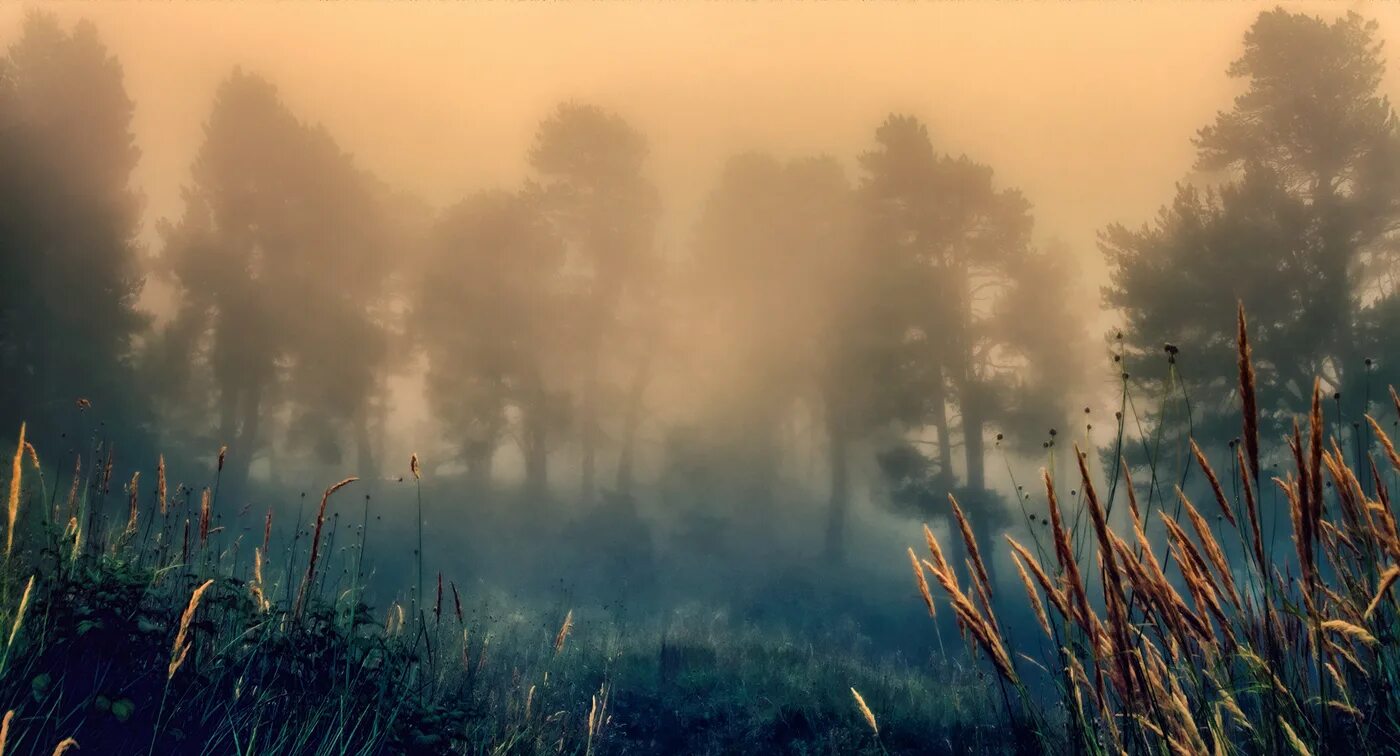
(136, 623)
(1178, 647)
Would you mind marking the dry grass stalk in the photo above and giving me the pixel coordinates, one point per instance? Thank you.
(922, 583)
(303, 594)
(1064, 553)
(934, 550)
(1387, 580)
(107, 471)
(204, 514)
(16, 475)
(1302, 537)
(437, 604)
(1056, 597)
(564, 631)
(1178, 615)
(982, 630)
(1128, 486)
(1344, 653)
(1248, 398)
(1336, 678)
(1350, 495)
(73, 488)
(18, 624)
(1228, 703)
(866, 712)
(1346, 708)
(1112, 579)
(1293, 739)
(1385, 441)
(160, 484)
(1214, 480)
(1036, 603)
(1212, 549)
(979, 567)
(1349, 630)
(255, 587)
(1252, 513)
(5, 730)
(1315, 422)
(181, 648)
(456, 601)
(133, 503)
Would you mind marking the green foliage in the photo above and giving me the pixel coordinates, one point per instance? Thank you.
(1296, 225)
(69, 261)
(94, 651)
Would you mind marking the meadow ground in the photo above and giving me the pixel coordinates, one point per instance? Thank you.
(137, 621)
(1165, 626)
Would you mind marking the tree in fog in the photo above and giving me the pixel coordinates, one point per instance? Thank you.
(279, 260)
(771, 278)
(489, 312)
(69, 217)
(962, 246)
(1039, 324)
(1298, 227)
(588, 168)
(977, 322)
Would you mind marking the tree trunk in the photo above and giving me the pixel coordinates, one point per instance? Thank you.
(838, 508)
(939, 400)
(973, 441)
(479, 459)
(534, 435)
(588, 434)
(632, 419)
(536, 451)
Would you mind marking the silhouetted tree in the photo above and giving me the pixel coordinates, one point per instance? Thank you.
(489, 313)
(69, 217)
(1298, 228)
(279, 261)
(588, 164)
(988, 329)
(964, 247)
(770, 280)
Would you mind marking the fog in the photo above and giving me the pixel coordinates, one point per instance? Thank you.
(1089, 108)
(713, 462)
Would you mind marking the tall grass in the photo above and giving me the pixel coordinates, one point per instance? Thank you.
(1189, 651)
(139, 630)
(130, 624)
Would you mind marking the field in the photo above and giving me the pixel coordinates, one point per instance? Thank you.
(881, 379)
(145, 625)
(152, 627)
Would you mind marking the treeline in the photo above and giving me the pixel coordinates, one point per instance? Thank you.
(892, 310)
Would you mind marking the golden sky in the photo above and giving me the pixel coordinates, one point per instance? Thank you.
(1088, 107)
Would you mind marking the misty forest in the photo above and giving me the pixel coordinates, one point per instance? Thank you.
(687, 379)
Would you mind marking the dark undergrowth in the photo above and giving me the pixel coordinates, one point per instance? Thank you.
(135, 624)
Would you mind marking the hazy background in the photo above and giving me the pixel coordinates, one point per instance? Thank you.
(1089, 108)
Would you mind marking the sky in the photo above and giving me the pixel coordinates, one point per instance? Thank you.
(1089, 107)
